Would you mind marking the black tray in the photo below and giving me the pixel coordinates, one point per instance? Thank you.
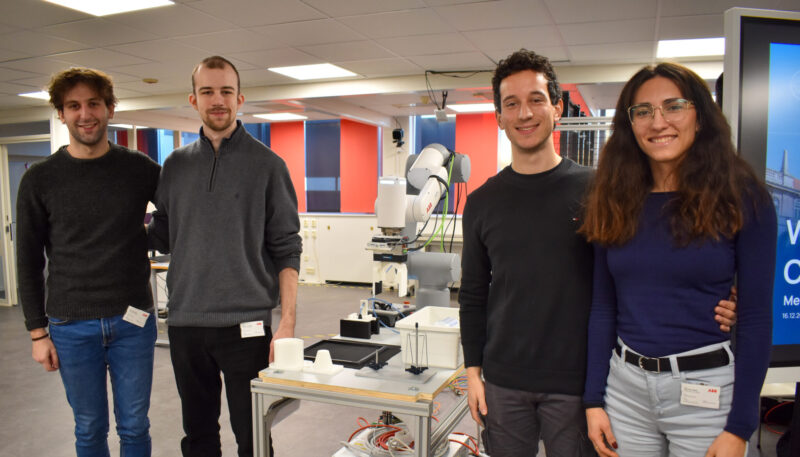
(352, 354)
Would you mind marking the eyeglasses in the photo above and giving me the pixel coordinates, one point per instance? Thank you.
(671, 110)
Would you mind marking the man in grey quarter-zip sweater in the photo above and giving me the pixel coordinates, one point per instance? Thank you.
(227, 212)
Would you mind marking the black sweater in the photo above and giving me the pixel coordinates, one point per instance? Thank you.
(527, 279)
(87, 215)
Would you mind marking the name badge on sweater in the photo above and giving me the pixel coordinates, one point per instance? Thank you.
(252, 329)
(136, 316)
(700, 395)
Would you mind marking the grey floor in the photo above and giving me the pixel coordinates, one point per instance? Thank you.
(35, 419)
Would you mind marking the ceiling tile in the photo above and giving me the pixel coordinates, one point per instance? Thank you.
(499, 14)
(98, 58)
(97, 31)
(37, 44)
(608, 32)
(457, 61)
(310, 32)
(281, 57)
(249, 13)
(156, 70)
(359, 7)
(15, 88)
(335, 52)
(172, 21)
(239, 40)
(169, 52)
(682, 27)
(575, 11)
(526, 37)
(427, 44)
(403, 23)
(616, 53)
(693, 7)
(42, 65)
(382, 67)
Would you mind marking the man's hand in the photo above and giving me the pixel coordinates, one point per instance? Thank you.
(44, 352)
(600, 432)
(727, 445)
(726, 312)
(476, 397)
(287, 281)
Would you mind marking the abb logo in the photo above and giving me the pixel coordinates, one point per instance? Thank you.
(712, 391)
(429, 207)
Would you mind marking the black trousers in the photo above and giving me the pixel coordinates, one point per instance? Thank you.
(199, 355)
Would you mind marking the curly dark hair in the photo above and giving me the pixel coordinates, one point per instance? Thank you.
(220, 63)
(712, 180)
(64, 81)
(525, 60)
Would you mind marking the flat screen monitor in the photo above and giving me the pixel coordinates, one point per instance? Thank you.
(761, 99)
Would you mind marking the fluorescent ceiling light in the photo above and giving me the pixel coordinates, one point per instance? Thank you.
(472, 107)
(281, 116)
(121, 126)
(41, 95)
(318, 71)
(691, 48)
(431, 116)
(107, 7)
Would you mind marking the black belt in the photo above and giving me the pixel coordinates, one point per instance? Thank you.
(713, 359)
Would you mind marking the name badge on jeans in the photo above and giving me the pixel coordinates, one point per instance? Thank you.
(252, 329)
(136, 316)
(700, 395)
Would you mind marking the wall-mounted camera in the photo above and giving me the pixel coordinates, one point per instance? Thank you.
(397, 137)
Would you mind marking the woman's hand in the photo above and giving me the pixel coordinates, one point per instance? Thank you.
(600, 432)
(727, 445)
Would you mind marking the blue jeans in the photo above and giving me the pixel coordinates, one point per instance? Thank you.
(86, 349)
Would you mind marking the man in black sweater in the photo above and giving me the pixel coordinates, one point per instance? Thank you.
(526, 278)
(84, 208)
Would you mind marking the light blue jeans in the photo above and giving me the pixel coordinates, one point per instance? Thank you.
(86, 350)
(647, 417)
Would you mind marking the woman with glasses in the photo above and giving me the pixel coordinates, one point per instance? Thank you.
(676, 217)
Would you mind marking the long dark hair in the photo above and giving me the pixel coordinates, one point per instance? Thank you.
(712, 179)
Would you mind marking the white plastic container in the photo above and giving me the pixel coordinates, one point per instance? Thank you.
(439, 333)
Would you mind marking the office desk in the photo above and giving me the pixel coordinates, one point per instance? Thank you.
(275, 389)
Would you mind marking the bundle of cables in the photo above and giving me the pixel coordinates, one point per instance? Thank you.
(385, 440)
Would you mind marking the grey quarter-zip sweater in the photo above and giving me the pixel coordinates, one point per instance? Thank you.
(229, 219)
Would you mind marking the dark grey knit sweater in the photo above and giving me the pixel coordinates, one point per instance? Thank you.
(88, 216)
(230, 222)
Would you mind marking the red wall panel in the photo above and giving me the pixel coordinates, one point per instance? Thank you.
(287, 139)
(476, 136)
(358, 156)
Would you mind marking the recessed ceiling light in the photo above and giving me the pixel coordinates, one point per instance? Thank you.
(121, 126)
(431, 116)
(41, 95)
(691, 48)
(472, 107)
(318, 71)
(280, 116)
(107, 7)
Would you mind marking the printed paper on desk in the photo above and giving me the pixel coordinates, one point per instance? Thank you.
(701, 395)
(252, 329)
(136, 316)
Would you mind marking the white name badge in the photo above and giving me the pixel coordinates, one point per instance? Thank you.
(701, 395)
(252, 329)
(136, 316)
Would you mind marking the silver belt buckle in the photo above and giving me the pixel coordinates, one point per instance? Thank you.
(641, 363)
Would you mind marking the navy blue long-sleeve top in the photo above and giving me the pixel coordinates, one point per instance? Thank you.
(660, 297)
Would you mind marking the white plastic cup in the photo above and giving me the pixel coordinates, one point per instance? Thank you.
(288, 354)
